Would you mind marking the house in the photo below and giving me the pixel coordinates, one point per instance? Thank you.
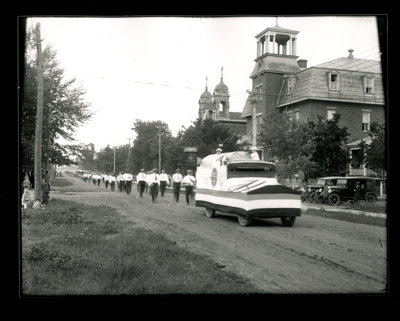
(349, 86)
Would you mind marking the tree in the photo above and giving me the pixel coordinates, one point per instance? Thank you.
(63, 103)
(145, 150)
(206, 135)
(289, 142)
(375, 153)
(330, 152)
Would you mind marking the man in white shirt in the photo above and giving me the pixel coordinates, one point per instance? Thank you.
(164, 180)
(254, 155)
(141, 181)
(176, 184)
(188, 181)
(128, 182)
(112, 180)
(153, 180)
(119, 182)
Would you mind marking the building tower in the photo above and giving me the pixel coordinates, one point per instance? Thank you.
(221, 98)
(207, 108)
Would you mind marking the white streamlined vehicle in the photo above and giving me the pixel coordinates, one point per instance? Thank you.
(234, 183)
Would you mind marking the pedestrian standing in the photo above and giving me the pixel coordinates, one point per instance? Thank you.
(128, 182)
(141, 181)
(164, 181)
(153, 181)
(188, 181)
(26, 198)
(176, 184)
(357, 191)
(45, 192)
(106, 180)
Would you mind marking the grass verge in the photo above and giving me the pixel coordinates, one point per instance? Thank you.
(74, 249)
(348, 217)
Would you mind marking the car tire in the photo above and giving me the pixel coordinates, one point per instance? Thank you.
(244, 220)
(334, 199)
(210, 213)
(288, 220)
(370, 199)
(311, 197)
(319, 199)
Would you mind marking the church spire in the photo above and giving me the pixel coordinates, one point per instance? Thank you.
(222, 73)
(206, 83)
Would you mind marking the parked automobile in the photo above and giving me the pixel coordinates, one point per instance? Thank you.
(312, 191)
(340, 189)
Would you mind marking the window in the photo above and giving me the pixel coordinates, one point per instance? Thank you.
(369, 85)
(330, 112)
(366, 115)
(333, 81)
(291, 84)
(296, 115)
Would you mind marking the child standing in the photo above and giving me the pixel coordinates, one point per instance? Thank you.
(26, 198)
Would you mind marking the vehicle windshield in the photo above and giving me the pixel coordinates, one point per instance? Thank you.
(321, 182)
(251, 170)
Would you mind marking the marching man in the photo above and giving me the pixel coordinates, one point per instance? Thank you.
(176, 184)
(141, 181)
(153, 181)
(164, 180)
(188, 181)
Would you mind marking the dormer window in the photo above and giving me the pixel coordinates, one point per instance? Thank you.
(369, 84)
(333, 79)
(291, 84)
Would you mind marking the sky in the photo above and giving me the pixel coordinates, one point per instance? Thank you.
(155, 68)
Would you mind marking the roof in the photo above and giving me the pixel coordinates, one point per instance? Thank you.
(367, 140)
(353, 64)
(221, 89)
(235, 115)
(278, 30)
(312, 83)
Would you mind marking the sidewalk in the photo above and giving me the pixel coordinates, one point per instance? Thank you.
(330, 208)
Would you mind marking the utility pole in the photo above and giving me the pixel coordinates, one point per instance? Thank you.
(114, 160)
(159, 149)
(39, 118)
(129, 154)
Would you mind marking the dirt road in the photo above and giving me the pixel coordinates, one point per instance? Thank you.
(316, 255)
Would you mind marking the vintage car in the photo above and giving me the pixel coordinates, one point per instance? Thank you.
(312, 191)
(234, 183)
(339, 189)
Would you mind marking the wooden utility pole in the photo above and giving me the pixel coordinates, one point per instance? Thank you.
(159, 149)
(39, 118)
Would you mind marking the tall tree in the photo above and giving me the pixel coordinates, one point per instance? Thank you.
(289, 142)
(330, 146)
(375, 153)
(145, 150)
(206, 135)
(64, 104)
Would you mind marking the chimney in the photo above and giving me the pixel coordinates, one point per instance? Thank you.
(302, 63)
(350, 53)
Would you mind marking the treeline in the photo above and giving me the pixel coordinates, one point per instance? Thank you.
(147, 147)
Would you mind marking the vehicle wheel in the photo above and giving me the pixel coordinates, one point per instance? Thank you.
(288, 220)
(370, 198)
(319, 199)
(303, 198)
(334, 199)
(210, 212)
(311, 197)
(244, 220)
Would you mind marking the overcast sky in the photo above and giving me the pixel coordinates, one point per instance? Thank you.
(155, 68)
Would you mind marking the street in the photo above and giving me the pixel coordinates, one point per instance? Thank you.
(316, 255)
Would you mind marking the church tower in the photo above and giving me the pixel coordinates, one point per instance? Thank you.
(207, 108)
(221, 98)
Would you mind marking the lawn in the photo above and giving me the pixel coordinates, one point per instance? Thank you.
(74, 249)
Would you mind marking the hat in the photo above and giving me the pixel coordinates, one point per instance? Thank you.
(189, 171)
(219, 150)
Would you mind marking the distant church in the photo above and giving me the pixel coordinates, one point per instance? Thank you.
(216, 107)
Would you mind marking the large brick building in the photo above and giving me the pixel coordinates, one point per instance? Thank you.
(349, 86)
